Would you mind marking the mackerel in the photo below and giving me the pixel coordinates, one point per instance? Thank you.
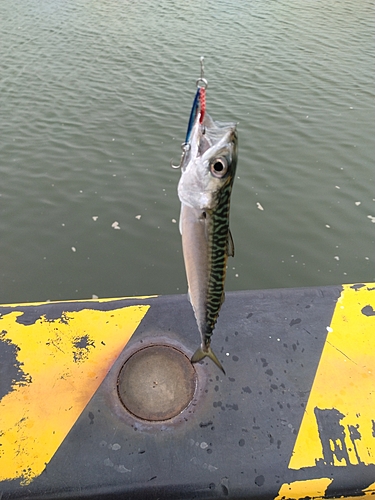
(208, 166)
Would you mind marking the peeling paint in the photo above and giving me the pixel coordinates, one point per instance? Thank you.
(333, 420)
(58, 366)
(311, 488)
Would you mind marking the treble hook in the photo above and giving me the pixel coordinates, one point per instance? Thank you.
(202, 82)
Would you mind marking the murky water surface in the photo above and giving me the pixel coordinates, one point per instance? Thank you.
(94, 102)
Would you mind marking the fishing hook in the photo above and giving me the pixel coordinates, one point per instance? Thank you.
(185, 146)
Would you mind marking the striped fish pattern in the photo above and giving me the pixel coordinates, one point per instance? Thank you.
(204, 190)
(219, 251)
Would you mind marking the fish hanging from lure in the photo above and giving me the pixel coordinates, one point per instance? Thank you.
(208, 165)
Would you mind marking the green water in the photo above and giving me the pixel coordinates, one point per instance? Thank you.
(94, 102)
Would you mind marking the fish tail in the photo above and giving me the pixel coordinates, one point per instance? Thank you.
(204, 351)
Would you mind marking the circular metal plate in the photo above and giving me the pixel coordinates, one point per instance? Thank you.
(157, 383)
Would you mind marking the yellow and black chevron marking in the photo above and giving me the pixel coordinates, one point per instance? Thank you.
(338, 425)
(293, 419)
(59, 365)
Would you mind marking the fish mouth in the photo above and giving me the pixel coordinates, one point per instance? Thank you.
(215, 133)
(210, 137)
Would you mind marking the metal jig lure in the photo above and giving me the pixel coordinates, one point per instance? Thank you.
(199, 104)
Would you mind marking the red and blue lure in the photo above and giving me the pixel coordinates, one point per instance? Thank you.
(199, 106)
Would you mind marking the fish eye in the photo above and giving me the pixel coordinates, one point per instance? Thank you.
(219, 167)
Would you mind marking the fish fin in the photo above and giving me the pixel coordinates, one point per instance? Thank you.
(230, 245)
(180, 221)
(202, 352)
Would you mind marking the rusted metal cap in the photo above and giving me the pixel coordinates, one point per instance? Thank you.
(157, 383)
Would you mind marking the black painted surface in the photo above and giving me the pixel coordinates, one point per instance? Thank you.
(236, 440)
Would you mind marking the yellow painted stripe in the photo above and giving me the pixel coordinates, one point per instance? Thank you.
(345, 384)
(63, 363)
(370, 490)
(311, 488)
(342, 399)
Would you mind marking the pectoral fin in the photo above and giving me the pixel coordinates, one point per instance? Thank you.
(230, 245)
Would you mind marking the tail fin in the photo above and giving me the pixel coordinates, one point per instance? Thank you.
(204, 351)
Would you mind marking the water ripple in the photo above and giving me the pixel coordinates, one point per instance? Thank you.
(94, 100)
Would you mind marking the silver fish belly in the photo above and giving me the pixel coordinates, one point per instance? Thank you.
(204, 190)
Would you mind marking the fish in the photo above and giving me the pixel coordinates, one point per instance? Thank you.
(208, 167)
